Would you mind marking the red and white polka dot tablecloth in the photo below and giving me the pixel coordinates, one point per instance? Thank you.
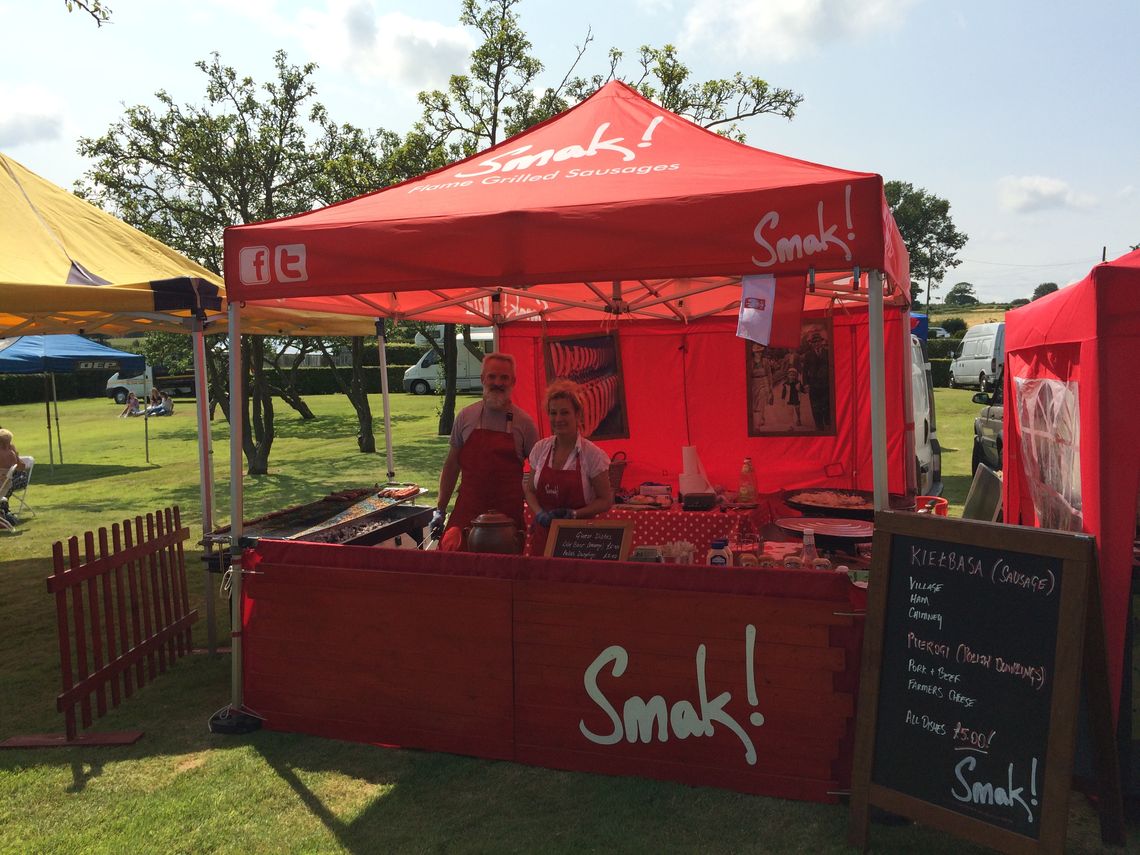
(654, 527)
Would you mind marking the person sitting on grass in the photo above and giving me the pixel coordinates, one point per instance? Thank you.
(165, 406)
(133, 407)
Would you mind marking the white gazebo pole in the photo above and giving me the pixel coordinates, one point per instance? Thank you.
(55, 403)
(382, 344)
(910, 438)
(47, 414)
(237, 509)
(877, 366)
(205, 471)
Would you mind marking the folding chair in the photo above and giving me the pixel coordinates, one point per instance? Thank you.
(5, 484)
(983, 501)
(20, 493)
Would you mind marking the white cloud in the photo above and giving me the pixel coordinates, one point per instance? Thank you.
(393, 47)
(1027, 193)
(783, 30)
(654, 7)
(1126, 191)
(29, 115)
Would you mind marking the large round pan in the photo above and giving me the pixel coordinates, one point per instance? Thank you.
(801, 500)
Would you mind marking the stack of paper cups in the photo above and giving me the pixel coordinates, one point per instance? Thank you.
(693, 478)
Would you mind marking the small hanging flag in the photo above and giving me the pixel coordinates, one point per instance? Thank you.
(767, 320)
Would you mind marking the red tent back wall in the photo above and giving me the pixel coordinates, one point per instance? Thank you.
(670, 369)
(1088, 333)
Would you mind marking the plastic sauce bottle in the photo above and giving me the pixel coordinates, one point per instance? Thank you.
(719, 553)
(810, 552)
(747, 491)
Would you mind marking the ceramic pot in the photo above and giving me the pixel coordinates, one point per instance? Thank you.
(494, 532)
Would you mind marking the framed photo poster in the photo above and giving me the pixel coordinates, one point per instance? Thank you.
(791, 391)
(594, 363)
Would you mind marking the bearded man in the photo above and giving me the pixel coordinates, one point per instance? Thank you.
(489, 442)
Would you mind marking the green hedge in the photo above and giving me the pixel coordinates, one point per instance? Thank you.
(942, 348)
(29, 388)
(940, 372)
(320, 381)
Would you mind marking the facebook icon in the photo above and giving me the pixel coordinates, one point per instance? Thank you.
(253, 265)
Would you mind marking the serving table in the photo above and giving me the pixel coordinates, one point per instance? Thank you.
(729, 677)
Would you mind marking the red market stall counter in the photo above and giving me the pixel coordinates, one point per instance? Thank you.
(737, 678)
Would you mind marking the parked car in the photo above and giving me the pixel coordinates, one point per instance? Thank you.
(937, 332)
(981, 355)
(987, 427)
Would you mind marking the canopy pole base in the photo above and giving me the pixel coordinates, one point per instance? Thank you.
(233, 722)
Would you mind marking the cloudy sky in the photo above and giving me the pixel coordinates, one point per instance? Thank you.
(1022, 114)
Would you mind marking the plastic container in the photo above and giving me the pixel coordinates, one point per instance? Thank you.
(719, 554)
(810, 552)
(941, 506)
(746, 493)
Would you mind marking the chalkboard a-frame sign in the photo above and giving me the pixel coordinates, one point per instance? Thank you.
(596, 540)
(972, 662)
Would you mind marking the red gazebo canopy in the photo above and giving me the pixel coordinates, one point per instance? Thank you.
(616, 205)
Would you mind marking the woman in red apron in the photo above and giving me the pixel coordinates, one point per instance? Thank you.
(569, 475)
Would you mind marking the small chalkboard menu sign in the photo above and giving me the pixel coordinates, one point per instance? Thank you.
(596, 540)
(972, 664)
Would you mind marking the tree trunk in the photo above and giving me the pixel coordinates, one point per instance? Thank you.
(366, 439)
(217, 382)
(356, 390)
(447, 414)
(257, 438)
(285, 383)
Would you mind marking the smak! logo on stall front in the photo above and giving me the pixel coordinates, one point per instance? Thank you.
(259, 265)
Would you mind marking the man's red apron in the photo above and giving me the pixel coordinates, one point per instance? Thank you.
(556, 488)
(492, 480)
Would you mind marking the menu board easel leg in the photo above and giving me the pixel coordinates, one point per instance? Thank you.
(1111, 805)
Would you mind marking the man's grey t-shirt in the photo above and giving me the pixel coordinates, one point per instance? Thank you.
(522, 426)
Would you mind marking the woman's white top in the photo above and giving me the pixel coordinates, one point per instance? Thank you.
(594, 462)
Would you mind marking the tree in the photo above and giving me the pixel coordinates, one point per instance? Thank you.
(171, 350)
(1043, 289)
(954, 326)
(95, 8)
(499, 97)
(961, 294)
(182, 173)
(1020, 301)
(928, 232)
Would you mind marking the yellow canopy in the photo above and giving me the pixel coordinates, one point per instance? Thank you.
(66, 266)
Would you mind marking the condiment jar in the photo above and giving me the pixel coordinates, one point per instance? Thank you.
(719, 554)
(810, 553)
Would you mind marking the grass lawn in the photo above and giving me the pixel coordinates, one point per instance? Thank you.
(182, 789)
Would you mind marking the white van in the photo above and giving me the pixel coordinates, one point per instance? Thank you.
(927, 451)
(427, 374)
(175, 385)
(981, 356)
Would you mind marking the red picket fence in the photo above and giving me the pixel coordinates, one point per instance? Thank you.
(135, 620)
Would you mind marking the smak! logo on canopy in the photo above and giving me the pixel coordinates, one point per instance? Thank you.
(258, 265)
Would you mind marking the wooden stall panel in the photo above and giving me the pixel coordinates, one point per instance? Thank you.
(379, 656)
(699, 687)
